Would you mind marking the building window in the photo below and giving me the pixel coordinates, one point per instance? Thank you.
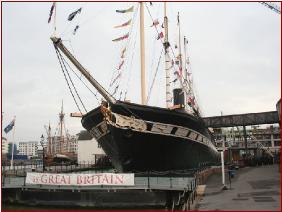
(277, 143)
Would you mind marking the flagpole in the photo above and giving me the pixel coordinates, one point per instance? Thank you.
(13, 141)
(142, 54)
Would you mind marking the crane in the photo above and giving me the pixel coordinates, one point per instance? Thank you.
(271, 6)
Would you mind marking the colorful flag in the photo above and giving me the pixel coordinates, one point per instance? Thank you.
(120, 65)
(51, 12)
(73, 14)
(121, 38)
(126, 11)
(10, 126)
(161, 35)
(75, 29)
(123, 52)
(155, 23)
(124, 24)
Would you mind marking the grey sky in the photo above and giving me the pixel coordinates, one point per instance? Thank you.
(234, 48)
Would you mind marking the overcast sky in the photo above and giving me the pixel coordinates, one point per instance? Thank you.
(234, 49)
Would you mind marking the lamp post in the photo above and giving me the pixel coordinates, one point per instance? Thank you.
(43, 155)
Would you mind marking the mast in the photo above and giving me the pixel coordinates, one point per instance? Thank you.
(142, 54)
(61, 116)
(167, 59)
(58, 44)
(49, 140)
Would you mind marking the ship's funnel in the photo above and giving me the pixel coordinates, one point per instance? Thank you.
(178, 97)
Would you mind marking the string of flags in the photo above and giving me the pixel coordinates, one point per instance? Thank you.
(123, 51)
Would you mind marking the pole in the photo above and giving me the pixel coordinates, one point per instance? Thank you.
(222, 168)
(246, 141)
(13, 141)
(58, 44)
(142, 54)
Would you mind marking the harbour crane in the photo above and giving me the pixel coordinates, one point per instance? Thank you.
(271, 6)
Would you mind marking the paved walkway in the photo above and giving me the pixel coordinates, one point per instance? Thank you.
(252, 188)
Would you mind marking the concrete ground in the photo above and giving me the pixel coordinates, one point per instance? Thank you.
(252, 188)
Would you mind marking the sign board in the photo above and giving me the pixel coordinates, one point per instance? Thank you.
(76, 179)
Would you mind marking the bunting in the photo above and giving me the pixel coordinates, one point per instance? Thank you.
(116, 88)
(155, 23)
(124, 24)
(75, 29)
(121, 38)
(176, 73)
(113, 82)
(161, 35)
(123, 52)
(51, 11)
(126, 11)
(120, 65)
(73, 14)
(191, 101)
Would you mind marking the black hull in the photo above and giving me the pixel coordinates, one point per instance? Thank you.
(152, 150)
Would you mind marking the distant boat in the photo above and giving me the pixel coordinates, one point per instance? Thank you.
(137, 137)
(57, 150)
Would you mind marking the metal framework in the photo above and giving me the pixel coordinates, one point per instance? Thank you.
(242, 119)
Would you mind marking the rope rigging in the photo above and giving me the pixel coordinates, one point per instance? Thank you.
(62, 68)
(154, 78)
(71, 80)
(79, 77)
(187, 89)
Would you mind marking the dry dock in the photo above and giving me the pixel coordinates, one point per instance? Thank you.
(252, 189)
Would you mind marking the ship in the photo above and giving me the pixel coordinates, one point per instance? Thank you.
(142, 138)
(58, 149)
